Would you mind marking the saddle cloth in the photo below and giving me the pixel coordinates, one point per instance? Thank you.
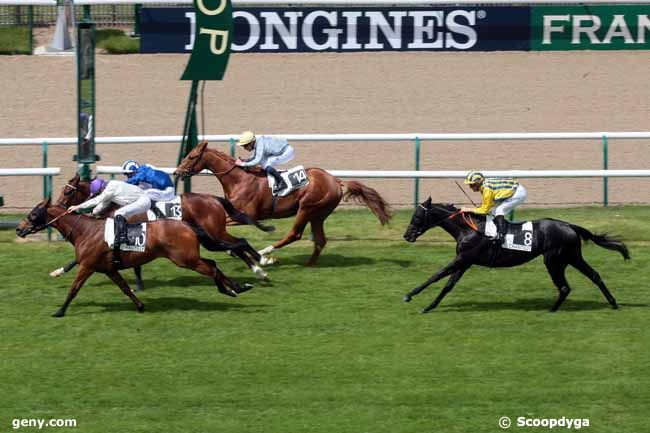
(295, 178)
(519, 236)
(136, 233)
(172, 210)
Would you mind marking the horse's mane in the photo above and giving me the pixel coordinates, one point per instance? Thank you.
(257, 171)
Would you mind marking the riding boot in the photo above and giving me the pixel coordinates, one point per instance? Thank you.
(500, 222)
(279, 182)
(120, 237)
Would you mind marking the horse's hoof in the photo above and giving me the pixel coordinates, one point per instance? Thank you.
(141, 308)
(57, 273)
(425, 311)
(407, 298)
(615, 306)
(58, 314)
(264, 260)
(245, 288)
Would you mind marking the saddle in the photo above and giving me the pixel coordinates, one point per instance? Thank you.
(519, 235)
(295, 178)
(136, 236)
(166, 210)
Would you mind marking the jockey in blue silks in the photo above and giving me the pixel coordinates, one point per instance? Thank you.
(157, 184)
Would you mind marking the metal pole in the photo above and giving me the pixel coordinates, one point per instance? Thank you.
(86, 16)
(136, 21)
(30, 15)
(605, 163)
(232, 147)
(416, 189)
(47, 185)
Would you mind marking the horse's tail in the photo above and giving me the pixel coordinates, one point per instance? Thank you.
(241, 217)
(209, 243)
(603, 241)
(363, 194)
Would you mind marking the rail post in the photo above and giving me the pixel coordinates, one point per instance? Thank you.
(30, 19)
(232, 147)
(416, 188)
(47, 185)
(605, 163)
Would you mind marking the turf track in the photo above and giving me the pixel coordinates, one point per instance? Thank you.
(331, 349)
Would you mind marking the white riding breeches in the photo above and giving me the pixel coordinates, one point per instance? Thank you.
(141, 205)
(167, 194)
(285, 156)
(502, 208)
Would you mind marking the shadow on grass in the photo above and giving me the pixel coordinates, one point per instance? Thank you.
(190, 282)
(534, 304)
(172, 304)
(335, 261)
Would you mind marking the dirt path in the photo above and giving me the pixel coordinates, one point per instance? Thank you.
(351, 93)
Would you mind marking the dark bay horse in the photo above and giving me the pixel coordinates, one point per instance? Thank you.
(558, 241)
(248, 190)
(176, 240)
(204, 210)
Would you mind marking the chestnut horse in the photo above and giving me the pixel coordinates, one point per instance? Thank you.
(176, 240)
(207, 211)
(249, 192)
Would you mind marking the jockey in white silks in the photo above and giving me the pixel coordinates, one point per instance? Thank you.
(269, 151)
(131, 199)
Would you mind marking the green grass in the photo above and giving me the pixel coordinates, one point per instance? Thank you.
(332, 348)
(14, 40)
(115, 41)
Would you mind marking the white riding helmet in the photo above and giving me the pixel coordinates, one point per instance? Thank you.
(130, 166)
(245, 138)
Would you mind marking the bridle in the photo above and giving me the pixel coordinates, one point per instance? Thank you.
(467, 219)
(42, 226)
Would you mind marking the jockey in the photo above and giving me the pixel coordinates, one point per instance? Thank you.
(133, 201)
(97, 185)
(157, 184)
(269, 151)
(500, 196)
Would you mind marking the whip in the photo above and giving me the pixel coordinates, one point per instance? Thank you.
(468, 197)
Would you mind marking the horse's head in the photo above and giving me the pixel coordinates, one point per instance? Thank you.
(74, 192)
(35, 221)
(193, 163)
(426, 216)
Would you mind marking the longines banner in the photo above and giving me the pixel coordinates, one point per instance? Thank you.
(173, 30)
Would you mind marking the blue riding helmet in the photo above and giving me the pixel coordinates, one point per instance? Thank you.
(130, 167)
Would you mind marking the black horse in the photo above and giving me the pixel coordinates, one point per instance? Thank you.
(558, 241)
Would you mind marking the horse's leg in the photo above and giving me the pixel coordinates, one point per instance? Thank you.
(295, 234)
(206, 267)
(455, 265)
(58, 272)
(450, 285)
(225, 284)
(589, 272)
(137, 270)
(79, 280)
(556, 267)
(319, 239)
(122, 284)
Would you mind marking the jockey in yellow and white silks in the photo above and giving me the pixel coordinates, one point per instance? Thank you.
(500, 196)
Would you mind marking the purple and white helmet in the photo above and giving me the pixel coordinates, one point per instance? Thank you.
(97, 185)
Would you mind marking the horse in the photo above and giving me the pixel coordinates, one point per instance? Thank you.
(176, 240)
(207, 211)
(558, 241)
(248, 190)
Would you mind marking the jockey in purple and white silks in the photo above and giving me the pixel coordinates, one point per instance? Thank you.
(132, 200)
(269, 151)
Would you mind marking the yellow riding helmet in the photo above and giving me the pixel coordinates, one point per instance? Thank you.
(245, 138)
(474, 177)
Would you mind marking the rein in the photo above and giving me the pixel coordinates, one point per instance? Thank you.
(467, 218)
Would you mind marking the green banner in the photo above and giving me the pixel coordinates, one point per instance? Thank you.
(590, 28)
(211, 50)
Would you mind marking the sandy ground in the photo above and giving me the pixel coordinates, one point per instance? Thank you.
(351, 93)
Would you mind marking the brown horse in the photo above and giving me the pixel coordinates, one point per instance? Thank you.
(249, 192)
(207, 211)
(176, 240)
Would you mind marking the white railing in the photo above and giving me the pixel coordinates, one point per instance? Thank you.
(51, 171)
(440, 174)
(412, 136)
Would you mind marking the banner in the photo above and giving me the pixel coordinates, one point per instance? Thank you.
(591, 28)
(166, 30)
(211, 48)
